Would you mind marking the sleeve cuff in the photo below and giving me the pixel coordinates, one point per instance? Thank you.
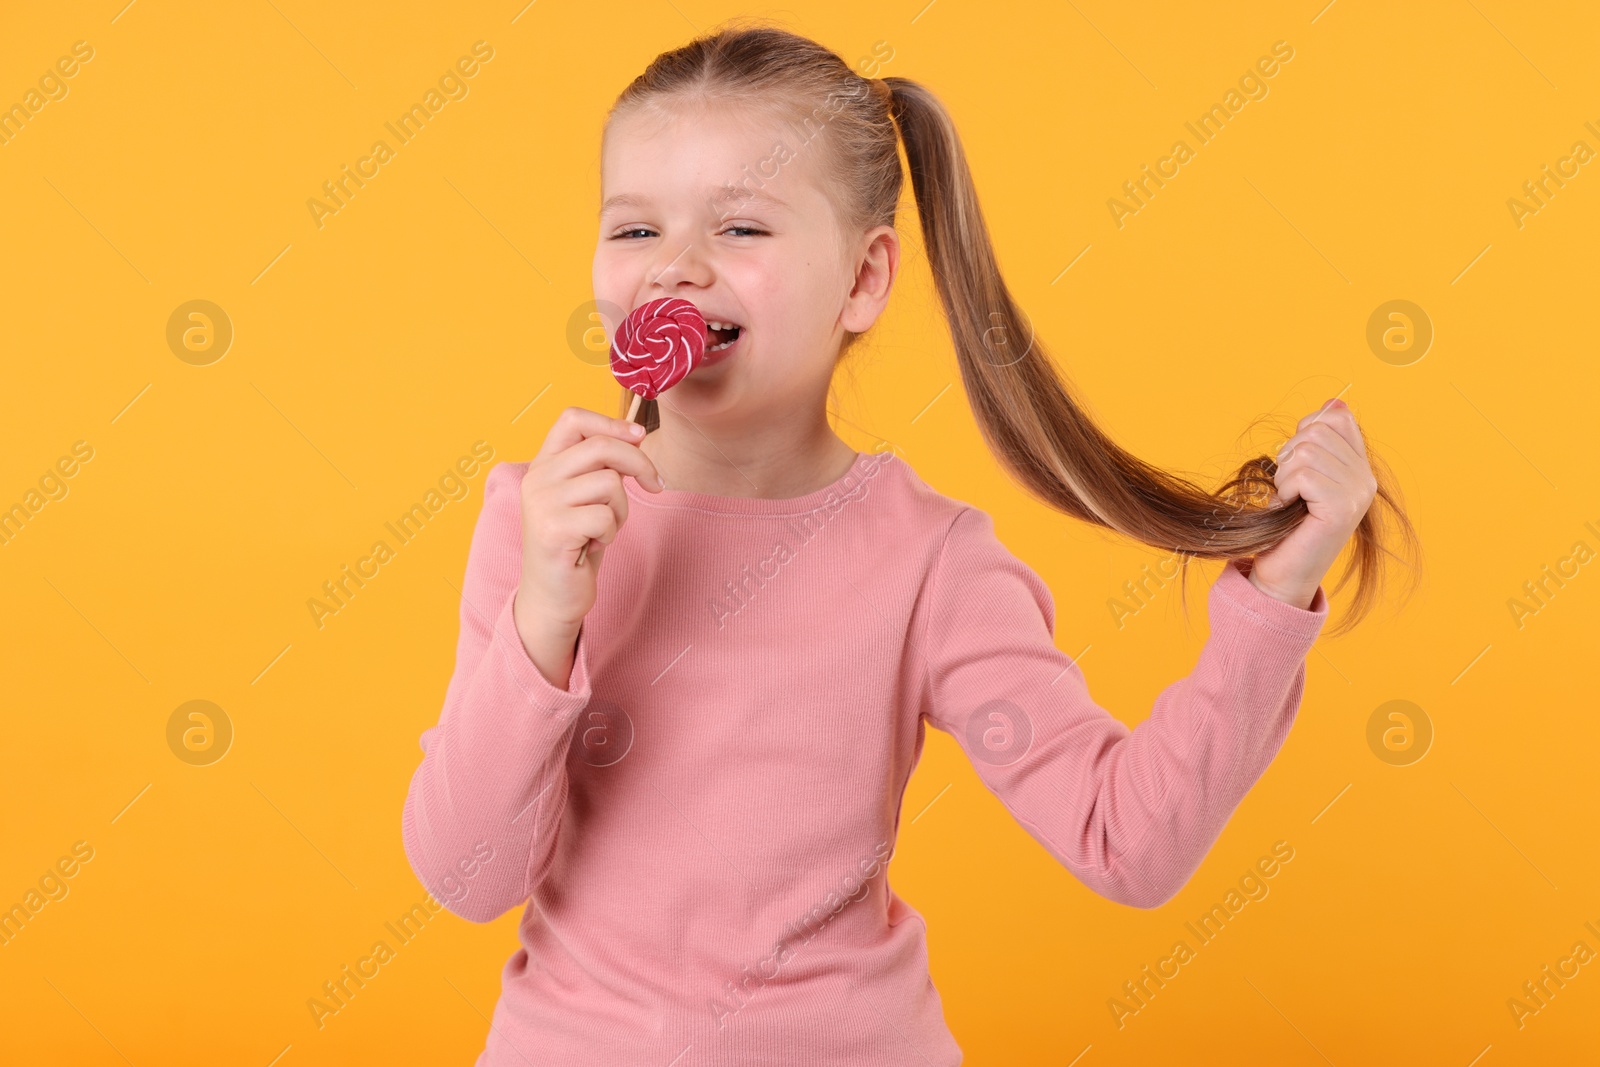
(536, 688)
(1234, 585)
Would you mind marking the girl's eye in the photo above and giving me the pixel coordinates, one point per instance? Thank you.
(623, 235)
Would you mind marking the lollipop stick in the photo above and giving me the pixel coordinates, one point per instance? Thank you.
(633, 410)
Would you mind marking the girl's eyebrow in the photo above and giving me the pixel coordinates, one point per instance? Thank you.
(729, 195)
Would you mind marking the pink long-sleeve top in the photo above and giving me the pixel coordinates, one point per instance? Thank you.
(700, 823)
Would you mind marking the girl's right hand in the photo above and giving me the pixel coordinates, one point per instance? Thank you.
(572, 497)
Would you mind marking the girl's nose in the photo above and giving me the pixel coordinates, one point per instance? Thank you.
(682, 262)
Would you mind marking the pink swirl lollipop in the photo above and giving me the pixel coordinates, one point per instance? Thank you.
(656, 347)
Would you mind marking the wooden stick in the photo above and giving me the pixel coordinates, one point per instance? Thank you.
(633, 411)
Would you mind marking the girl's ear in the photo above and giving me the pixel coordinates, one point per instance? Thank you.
(875, 272)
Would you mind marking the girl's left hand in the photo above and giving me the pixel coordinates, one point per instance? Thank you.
(1325, 463)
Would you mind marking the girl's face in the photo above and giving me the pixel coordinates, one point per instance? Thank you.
(721, 208)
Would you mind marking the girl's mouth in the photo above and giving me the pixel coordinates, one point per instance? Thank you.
(721, 339)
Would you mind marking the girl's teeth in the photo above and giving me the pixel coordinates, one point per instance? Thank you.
(723, 327)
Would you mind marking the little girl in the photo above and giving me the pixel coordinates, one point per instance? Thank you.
(691, 769)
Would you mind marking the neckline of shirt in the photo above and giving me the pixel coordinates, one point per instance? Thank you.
(753, 505)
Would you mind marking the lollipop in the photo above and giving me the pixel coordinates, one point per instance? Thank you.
(656, 347)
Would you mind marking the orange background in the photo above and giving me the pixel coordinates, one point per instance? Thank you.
(431, 312)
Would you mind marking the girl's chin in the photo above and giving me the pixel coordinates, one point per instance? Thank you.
(711, 393)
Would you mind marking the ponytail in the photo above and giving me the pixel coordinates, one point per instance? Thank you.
(1040, 433)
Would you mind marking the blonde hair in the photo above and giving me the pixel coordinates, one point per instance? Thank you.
(1023, 406)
